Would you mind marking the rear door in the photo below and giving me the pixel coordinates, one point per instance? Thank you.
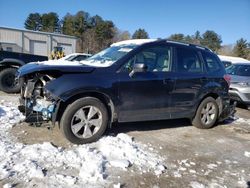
(190, 79)
(146, 95)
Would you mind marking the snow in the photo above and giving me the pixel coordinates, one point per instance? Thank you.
(212, 166)
(117, 185)
(7, 185)
(239, 120)
(120, 163)
(133, 42)
(59, 62)
(195, 184)
(247, 154)
(47, 165)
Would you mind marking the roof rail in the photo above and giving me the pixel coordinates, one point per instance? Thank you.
(201, 47)
(176, 42)
(188, 44)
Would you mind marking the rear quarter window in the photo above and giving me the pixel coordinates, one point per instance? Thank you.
(188, 61)
(212, 63)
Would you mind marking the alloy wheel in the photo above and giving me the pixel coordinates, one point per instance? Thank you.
(86, 122)
(208, 113)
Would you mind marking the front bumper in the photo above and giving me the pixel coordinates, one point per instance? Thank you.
(240, 94)
(30, 115)
(36, 113)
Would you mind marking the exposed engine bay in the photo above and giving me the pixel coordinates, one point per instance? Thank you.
(37, 104)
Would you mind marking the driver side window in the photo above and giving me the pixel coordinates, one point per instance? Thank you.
(157, 59)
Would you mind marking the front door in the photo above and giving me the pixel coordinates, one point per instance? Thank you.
(146, 95)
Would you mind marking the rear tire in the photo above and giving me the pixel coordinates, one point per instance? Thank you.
(207, 114)
(84, 121)
(8, 83)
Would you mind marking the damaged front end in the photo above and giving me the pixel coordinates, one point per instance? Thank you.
(36, 103)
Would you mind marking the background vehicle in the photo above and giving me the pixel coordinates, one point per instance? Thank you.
(135, 80)
(76, 57)
(240, 84)
(232, 59)
(9, 63)
(226, 63)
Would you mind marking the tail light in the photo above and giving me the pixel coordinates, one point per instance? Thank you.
(227, 77)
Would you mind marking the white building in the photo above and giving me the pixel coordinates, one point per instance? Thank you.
(35, 42)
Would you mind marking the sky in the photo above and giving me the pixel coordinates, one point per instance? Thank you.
(160, 18)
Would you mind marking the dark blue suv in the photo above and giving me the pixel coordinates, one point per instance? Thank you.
(134, 80)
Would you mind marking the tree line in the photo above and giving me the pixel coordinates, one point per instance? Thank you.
(213, 41)
(95, 33)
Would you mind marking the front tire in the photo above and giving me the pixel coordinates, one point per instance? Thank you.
(84, 121)
(207, 114)
(8, 83)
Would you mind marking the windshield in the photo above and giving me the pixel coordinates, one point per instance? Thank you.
(239, 70)
(108, 56)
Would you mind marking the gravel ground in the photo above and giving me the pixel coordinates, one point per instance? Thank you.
(218, 157)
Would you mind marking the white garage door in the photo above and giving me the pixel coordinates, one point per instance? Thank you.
(38, 47)
(67, 48)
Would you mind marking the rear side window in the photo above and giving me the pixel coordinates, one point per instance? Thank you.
(212, 63)
(188, 61)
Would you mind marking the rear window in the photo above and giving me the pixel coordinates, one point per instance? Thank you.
(212, 62)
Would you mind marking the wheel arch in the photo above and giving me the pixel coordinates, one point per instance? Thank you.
(217, 98)
(105, 99)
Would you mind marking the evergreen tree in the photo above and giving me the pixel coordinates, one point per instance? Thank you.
(104, 33)
(177, 37)
(241, 48)
(68, 24)
(140, 34)
(211, 40)
(33, 22)
(50, 22)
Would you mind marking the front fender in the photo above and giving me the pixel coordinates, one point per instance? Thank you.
(69, 85)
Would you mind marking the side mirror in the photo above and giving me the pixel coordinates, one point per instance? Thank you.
(138, 67)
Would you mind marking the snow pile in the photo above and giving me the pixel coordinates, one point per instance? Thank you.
(239, 120)
(47, 165)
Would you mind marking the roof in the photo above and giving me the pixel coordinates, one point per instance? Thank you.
(133, 42)
(39, 32)
(144, 41)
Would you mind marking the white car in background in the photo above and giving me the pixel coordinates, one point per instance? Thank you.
(76, 57)
(229, 60)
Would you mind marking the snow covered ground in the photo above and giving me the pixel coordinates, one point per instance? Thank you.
(45, 165)
(171, 153)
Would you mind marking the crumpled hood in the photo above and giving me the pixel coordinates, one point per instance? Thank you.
(63, 66)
